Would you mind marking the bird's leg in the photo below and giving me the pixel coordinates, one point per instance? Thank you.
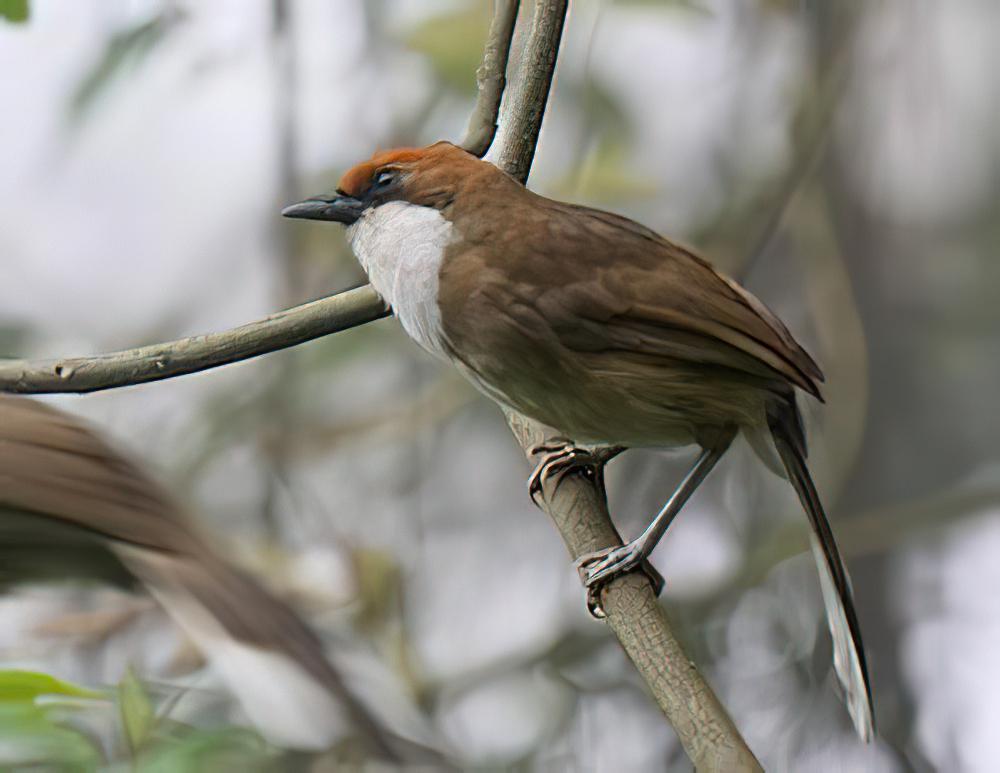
(598, 568)
(559, 457)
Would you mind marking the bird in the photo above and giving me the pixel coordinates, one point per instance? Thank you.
(598, 327)
(74, 507)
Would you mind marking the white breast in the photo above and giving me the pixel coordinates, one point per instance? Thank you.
(400, 246)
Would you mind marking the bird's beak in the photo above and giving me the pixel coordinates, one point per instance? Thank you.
(340, 208)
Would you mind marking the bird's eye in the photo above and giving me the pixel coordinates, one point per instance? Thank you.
(384, 179)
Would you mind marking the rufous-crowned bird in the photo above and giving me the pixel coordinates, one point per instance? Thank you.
(596, 326)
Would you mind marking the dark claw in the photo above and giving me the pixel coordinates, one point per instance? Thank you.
(599, 568)
(558, 460)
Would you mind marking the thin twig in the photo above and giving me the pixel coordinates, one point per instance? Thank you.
(190, 355)
(491, 77)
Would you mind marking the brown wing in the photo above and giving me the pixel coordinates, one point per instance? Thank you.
(646, 292)
(52, 465)
(71, 506)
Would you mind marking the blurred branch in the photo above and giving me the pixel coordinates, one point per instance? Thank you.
(579, 508)
(812, 129)
(190, 355)
(398, 422)
(491, 77)
(871, 532)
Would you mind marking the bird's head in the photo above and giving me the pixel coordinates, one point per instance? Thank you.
(427, 177)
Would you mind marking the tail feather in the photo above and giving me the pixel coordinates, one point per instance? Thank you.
(848, 650)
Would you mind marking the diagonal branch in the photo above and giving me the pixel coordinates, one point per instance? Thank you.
(579, 507)
(190, 355)
(579, 510)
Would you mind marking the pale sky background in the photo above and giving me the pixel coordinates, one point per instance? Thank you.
(154, 217)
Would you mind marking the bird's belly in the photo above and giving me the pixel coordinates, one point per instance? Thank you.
(588, 413)
(401, 247)
(607, 426)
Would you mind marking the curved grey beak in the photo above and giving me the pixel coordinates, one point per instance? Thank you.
(341, 209)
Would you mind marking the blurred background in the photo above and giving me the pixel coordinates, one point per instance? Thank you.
(842, 158)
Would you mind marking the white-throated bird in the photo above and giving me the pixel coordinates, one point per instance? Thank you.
(597, 327)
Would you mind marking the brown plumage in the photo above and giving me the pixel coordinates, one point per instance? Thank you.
(73, 507)
(594, 325)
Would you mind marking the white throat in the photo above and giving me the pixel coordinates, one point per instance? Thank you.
(401, 246)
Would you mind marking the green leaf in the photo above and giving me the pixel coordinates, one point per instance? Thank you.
(26, 686)
(226, 749)
(138, 717)
(125, 49)
(454, 44)
(15, 11)
(30, 739)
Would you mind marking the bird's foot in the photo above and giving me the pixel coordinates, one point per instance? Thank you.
(599, 568)
(559, 458)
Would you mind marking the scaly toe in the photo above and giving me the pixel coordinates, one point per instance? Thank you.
(584, 562)
(550, 446)
(558, 460)
(617, 561)
(597, 569)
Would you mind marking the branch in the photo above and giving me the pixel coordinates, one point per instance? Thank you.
(278, 331)
(579, 510)
(190, 355)
(578, 507)
(526, 103)
(491, 78)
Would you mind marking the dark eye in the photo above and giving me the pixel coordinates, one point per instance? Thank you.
(384, 179)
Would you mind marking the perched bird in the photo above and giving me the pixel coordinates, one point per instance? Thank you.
(73, 507)
(595, 326)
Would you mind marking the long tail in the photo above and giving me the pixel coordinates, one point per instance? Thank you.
(848, 651)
